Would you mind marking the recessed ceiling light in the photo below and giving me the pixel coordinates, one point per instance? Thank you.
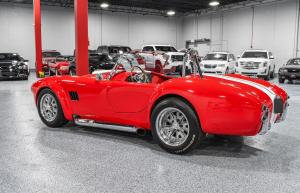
(104, 5)
(214, 3)
(171, 13)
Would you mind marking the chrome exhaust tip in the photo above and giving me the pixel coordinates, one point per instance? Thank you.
(265, 118)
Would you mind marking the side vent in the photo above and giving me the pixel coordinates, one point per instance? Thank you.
(74, 96)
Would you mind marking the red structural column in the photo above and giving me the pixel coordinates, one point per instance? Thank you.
(81, 36)
(38, 37)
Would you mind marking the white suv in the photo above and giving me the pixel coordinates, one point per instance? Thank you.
(218, 63)
(257, 63)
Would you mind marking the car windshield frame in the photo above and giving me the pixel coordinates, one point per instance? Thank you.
(255, 54)
(127, 61)
(9, 57)
(165, 49)
(212, 56)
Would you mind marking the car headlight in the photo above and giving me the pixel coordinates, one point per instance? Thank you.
(265, 64)
(283, 70)
(14, 63)
(221, 65)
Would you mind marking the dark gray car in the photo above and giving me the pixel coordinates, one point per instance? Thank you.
(290, 71)
(13, 66)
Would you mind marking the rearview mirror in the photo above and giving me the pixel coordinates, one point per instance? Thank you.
(238, 57)
(272, 57)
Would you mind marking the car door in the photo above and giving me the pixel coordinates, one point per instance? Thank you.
(129, 97)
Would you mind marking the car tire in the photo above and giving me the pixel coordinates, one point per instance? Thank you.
(272, 74)
(281, 80)
(53, 116)
(72, 71)
(227, 71)
(191, 134)
(268, 76)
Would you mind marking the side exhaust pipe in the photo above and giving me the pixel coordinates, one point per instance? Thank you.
(92, 123)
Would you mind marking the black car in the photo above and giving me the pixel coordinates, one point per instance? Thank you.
(13, 66)
(290, 71)
(114, 51)
(96, 61)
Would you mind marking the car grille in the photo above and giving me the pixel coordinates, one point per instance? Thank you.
(294, 70)
(250, 65)
(4, 68)
(5, 64)
(178, 58)
(210, 65)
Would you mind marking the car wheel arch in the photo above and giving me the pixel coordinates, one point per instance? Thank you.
(166, 96)
(66, 107)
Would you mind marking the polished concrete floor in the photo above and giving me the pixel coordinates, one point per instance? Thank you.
(35, 158)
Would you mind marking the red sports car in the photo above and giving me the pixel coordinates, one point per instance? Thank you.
(178, 111)
(60, 66)
(48, 56)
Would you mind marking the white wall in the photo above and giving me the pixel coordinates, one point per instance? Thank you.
(16, 31)
(58, 30)
(274, 29)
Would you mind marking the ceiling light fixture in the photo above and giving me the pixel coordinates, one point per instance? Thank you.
(214, 3)
(104, 5)
(171, 13)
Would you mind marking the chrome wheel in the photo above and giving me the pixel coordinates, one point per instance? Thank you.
(172, 126)
(48, 107)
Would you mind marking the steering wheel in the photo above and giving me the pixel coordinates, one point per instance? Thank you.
(142, 78)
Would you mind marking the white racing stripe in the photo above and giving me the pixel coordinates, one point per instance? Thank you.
(264, 89)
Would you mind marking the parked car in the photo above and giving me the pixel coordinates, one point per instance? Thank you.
(47, 57)
(113, 51)
(173, 63)
(257, 63)
(290, 71)
(218, 63)
(96, 62)
(60, 66)
(178, 111)
(162, 58)
(12, 65)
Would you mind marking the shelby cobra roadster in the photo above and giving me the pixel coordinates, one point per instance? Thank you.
(178, 111)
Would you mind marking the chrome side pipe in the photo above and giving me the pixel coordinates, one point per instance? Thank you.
(92, 123)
